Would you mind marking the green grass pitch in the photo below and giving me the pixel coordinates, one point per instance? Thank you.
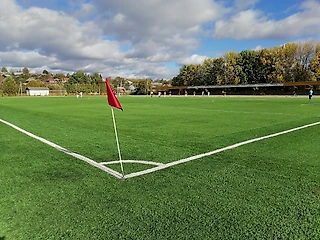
(264, 190)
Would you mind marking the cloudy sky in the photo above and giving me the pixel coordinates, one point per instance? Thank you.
(144, 38)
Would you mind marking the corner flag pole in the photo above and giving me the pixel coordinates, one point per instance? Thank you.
(117, 140)
(113, 102)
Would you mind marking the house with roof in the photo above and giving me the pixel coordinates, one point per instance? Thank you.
(37, 91)
(51, 80)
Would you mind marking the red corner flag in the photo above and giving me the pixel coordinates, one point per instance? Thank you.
(112, 99)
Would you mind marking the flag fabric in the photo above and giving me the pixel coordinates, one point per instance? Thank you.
(112, 99)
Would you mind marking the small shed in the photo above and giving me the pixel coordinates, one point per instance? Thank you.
(37, 91)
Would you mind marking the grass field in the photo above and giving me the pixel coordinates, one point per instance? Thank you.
(268, 189)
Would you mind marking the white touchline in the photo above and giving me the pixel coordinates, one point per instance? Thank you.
(215, 151)
(160, 166)
(76, 155)
(132, 161)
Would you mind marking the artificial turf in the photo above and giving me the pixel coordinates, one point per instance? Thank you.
(264, 190)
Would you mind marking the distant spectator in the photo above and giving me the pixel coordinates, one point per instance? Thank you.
(310, 94)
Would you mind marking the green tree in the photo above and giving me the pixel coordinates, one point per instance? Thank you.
(10, 86)
(96, 78)
(35, 83)
(59, 76)
(190, 75)
(4, 70)
(45, 72)
(177, 80)
(251, 67)
(26, 71)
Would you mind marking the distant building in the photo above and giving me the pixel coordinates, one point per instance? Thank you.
(18, 73)
(5, 74)
(51, 80)
(37, 91)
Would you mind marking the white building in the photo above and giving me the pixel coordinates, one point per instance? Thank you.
(37, 91)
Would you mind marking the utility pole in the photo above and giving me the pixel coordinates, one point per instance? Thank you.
(20, 89)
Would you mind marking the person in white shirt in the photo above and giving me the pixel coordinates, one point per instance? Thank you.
(310, 94)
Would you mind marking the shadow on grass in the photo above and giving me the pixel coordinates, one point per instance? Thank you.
(2, 238)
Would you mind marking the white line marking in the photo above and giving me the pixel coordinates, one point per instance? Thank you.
(160, 165)
(214, 152)
(76, 155)
(133, 161)
(267, 113)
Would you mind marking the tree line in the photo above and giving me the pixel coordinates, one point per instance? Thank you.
(13, 83)
(291, 62)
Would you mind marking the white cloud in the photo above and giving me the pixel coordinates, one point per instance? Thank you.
(193, 59)
(257, 48)
(154, 18)
(134, 38)
(86, 11)
(254, 24)
(156, 32)
(25, 59)
(241, 4)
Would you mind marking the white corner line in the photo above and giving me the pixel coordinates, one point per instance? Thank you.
(136, 174)
(76, 155)
(133, 161)
(159, 166)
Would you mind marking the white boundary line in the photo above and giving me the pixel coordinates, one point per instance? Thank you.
(160, 165)
(76, 155)
(132, 161)
(215, 151)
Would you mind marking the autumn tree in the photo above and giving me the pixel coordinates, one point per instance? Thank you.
(268, 71)
(315, 64)
(218, 71)
(10, 86)
(35, 83)
(208, 73)
(305, 53)
(232, 68)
